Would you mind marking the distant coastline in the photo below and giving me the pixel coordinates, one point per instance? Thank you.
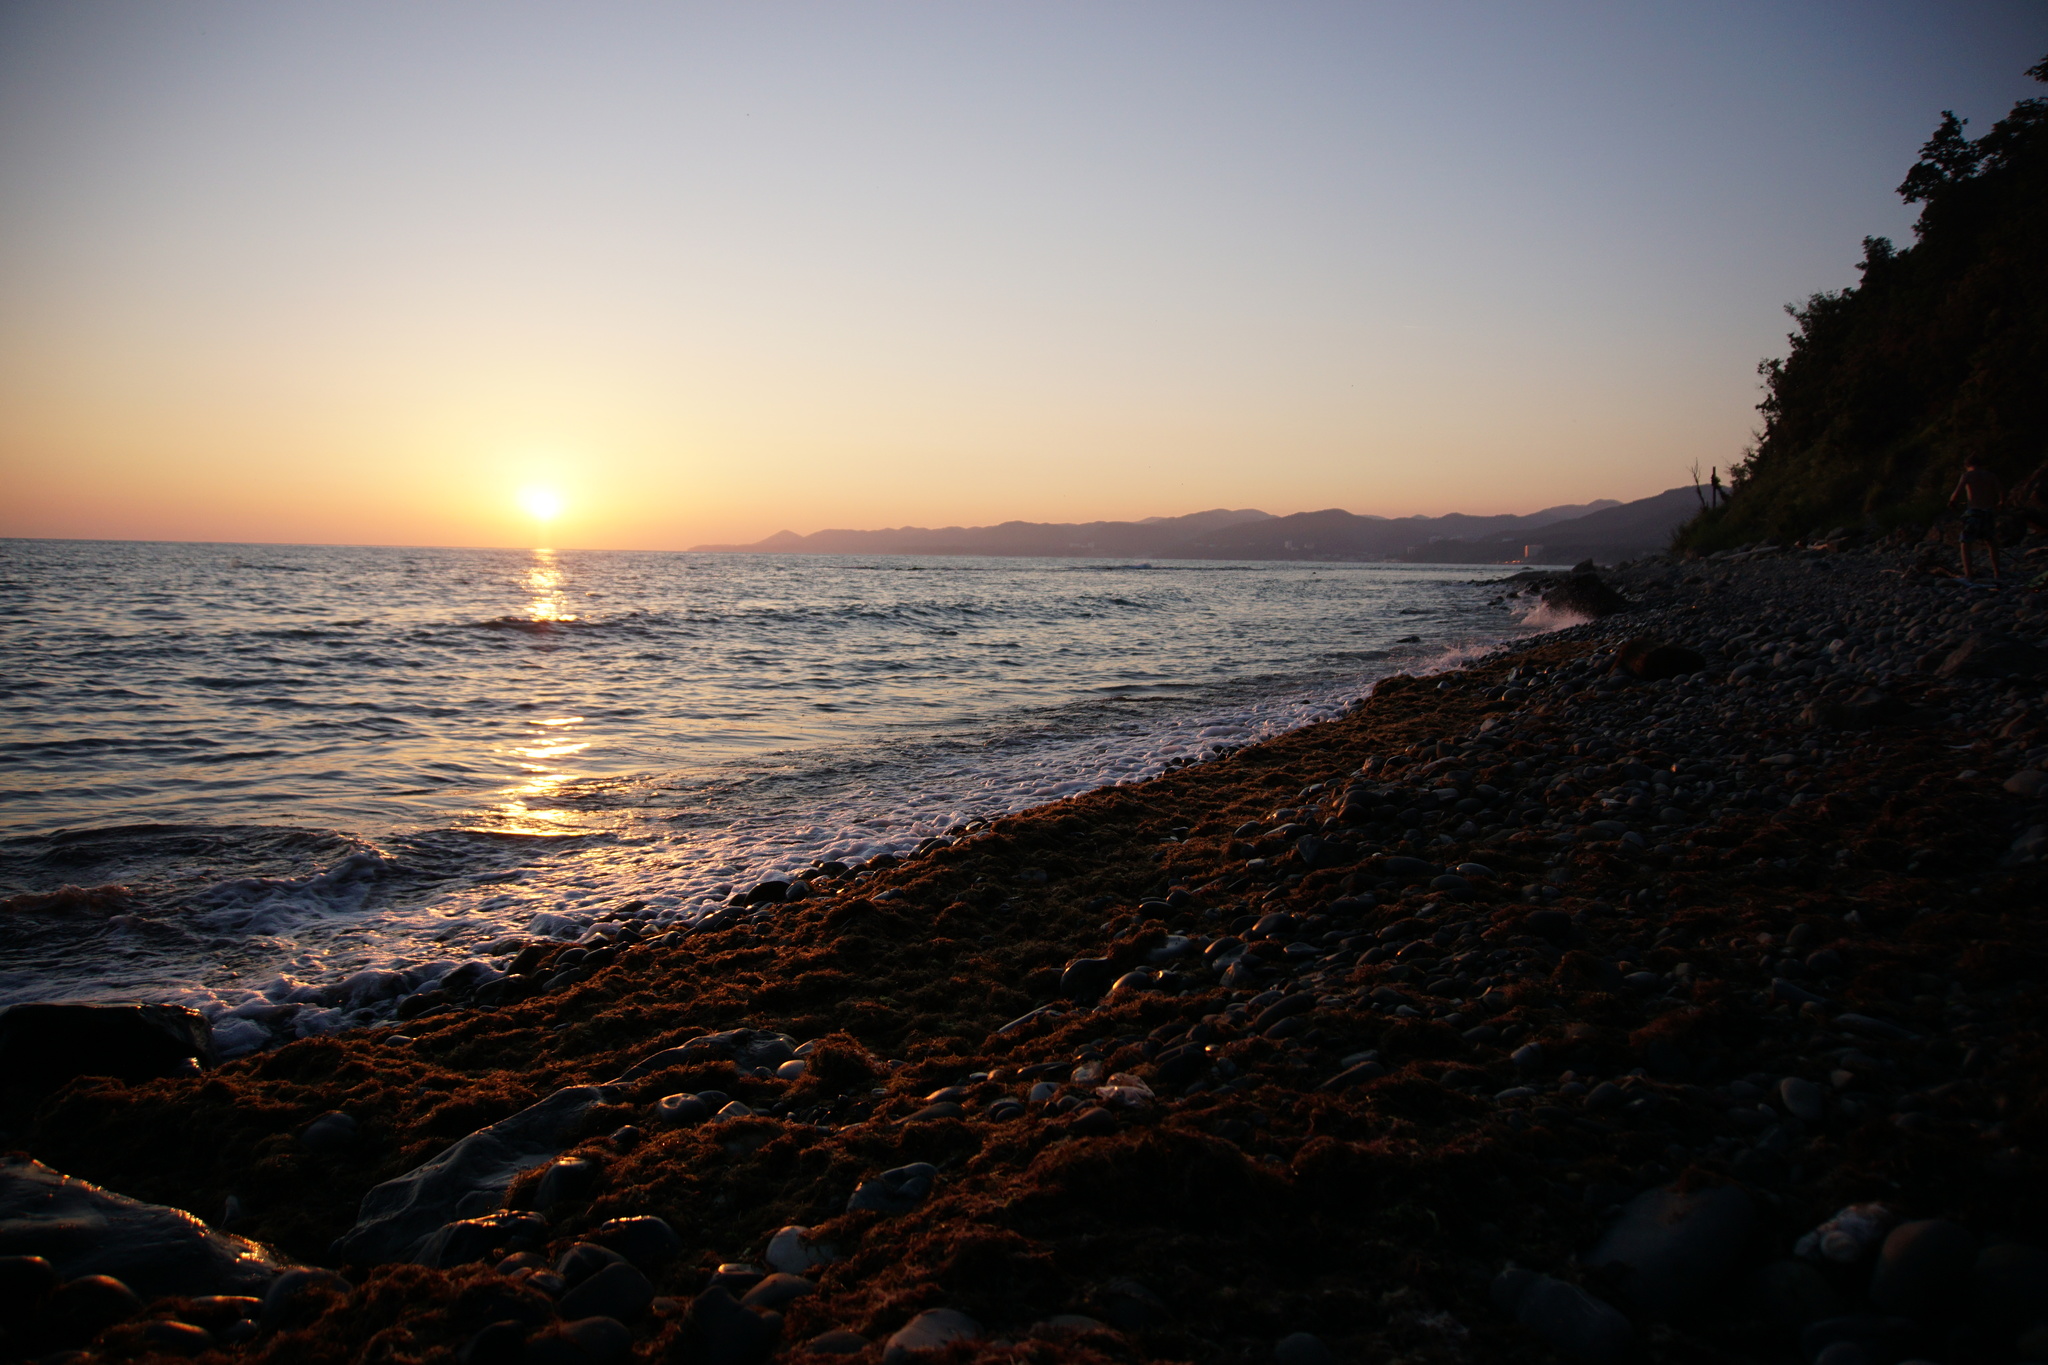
(1604, 530)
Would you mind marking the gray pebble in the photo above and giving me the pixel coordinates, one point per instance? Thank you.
(929, 1331)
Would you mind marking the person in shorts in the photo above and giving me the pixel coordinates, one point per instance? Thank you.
(1980, 491)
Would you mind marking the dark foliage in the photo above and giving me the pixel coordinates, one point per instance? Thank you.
(1937, 355)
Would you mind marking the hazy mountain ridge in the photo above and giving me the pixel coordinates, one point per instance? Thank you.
(1600, 529)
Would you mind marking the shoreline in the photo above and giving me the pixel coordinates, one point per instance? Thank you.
(1394, 1091)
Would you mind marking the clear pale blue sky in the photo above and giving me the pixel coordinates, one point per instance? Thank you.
(363, 271)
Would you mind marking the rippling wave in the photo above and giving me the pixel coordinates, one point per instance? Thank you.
(230, 767)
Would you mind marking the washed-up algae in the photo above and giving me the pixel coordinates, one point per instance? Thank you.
(1291, 1189)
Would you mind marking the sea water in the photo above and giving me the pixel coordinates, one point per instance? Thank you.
(287, 785)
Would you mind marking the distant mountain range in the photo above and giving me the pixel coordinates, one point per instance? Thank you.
(1601, 530)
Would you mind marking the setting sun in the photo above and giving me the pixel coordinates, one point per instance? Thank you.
(542, 504)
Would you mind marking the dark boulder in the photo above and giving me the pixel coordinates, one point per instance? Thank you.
(1653, 660)
(83, 1230)
(1991, 656)
(717, 1331)
(1087, 978)
(1585, 594)
(44, 1045)
(1668, 1249)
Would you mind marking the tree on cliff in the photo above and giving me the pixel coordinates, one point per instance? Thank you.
(1940, 352)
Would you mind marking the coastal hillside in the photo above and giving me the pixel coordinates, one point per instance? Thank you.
(1937, 355)
(1603, 529)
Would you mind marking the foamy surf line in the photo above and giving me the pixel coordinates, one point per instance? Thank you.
(325, 952)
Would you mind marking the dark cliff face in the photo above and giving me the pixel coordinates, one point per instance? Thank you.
(1938, 354)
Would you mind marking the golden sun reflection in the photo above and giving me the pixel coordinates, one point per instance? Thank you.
(544, 581)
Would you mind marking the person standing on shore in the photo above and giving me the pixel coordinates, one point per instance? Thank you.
(1980, 491)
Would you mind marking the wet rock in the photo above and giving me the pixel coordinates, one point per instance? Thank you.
(333, 1131)
(717, 1331)
(25, 1284)
(776, 1291)
(1847, 1237)
(474, 1239)
(586, 1341)
(617, 1291)
(1302, 1348)
(1985, 655)
(681, 1110)
(1653, 660)
(1286, 1007)
(1668, 1248)
(1802, 1099)
(83, 1230)
(87, 1305)
(894, 1191)
(569, 1179)
(644, 1240)
(2029, 783)
(751, 1049)
(583, 1259)
(43, 1045)
(1564, 1315)
(929, 1331)
(400, 1214)
(1087, 979)
(791, 1251)
(944, 1109)
(1923, 1269)
(296, 1293)
(1585, 594)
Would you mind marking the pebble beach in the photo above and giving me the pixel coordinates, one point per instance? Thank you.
(1666, 987)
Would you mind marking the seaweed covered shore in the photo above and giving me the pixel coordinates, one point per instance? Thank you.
(1664, 987)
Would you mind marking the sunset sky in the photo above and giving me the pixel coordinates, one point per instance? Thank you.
(377, 272)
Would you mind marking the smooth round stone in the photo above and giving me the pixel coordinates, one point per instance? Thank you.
(573, 1177)
(1042, 1092)
(331, 1132)
(588, 1341)
(1802, 1099)
(776, 1291)
(793, 1069)
(791, 1251)
(584, 1259)
(681, 1109)
(617, 1291)
(25, 1281)
(640, 1238)
(733, 1109)
(929, 1331)
(1667, 1248)
(1924, 1267)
